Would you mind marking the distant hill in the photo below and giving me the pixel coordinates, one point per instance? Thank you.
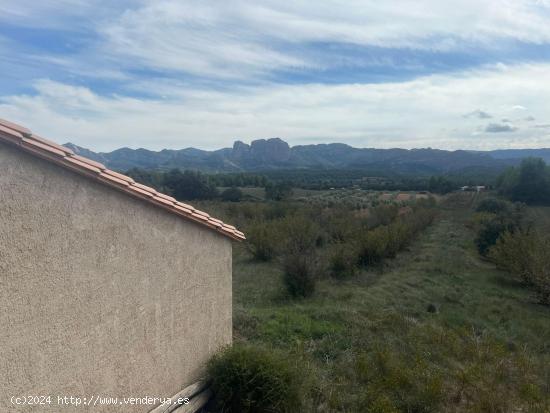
(521, 153)
(276, 154)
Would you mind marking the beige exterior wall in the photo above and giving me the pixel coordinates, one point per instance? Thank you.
(101, 293)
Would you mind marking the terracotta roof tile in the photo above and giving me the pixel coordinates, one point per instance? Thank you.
(202, 217)
(39, 145)
(145, 188)
(182, 209)
(181, 204)
(78, 162)
(204, 214)
(14, 126)
(163, 200)
(67, 151)
(167, 197)
(89, 162)
(46, 149)
(119, 176)
(11, 134)
(141, 191)
(112, 179)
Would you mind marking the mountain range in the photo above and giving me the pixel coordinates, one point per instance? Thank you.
(275, 154)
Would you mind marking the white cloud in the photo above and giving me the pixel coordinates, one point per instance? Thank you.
(243, 38)
(424, 112)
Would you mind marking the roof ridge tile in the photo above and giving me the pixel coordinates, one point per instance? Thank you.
(14, 126)
(44, 148)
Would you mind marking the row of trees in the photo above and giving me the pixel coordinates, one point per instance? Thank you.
(278, 183)
(186, 185)
(192, 185)
(335, 242)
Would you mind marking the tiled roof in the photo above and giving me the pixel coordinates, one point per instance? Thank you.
(24, 139)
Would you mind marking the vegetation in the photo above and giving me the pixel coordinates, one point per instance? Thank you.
(187, 185)
(435, 328)
(441, 185)
(278, 191)
(496, 217)
(386, 241)
(529, 183)
(524, 254)
(249, 379)
(239, 180)
(384, 298)
(381, 179)
(232, 194)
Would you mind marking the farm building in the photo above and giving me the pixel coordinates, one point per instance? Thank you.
(107, 286)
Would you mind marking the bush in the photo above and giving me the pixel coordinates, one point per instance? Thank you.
(279, 191)
(493, 206)
(512, 252)
(488, 235)
(342, 226)
(373, 246)
(524, 254)
(541, 272)
(494, 225)
(232, 194)
(262, 240)
(383, 215)
(386, 240)
(248, 379)
(395, 384)
(299, 275)
(299, 234)
(343, 262)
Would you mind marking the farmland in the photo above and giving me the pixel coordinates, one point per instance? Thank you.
(437, 328)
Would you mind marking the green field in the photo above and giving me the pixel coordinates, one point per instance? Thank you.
(435, 329)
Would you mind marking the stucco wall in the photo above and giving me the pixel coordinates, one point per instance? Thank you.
(101, 293)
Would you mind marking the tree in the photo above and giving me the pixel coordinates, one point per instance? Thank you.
(278, 191)
(189, 185)
(232, 194)
(440, 185)
(530, 183)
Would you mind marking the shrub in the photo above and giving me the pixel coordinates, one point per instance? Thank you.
(491, 229)
(279, 191)
(341, 226)
(248, 379)
(232, 194)
(299, 275)
(493, 206)
(541, 273)
(395, 384)
(383, 215)
(343, 262)
(513, 253)
(262, 240)
(524, 254)
(299, 234)
(488, 235)
(386, 240)
(373, 246)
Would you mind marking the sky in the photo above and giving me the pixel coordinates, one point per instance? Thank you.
(197, 73)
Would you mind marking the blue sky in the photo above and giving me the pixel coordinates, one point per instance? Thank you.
(179, 73)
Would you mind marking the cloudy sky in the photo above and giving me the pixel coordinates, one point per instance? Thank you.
(471, 74)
